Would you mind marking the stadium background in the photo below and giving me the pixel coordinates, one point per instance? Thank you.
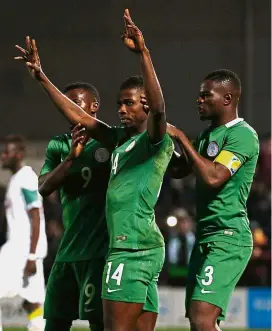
(80, 40)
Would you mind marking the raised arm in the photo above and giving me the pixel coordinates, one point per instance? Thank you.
(133, 39)
(97, 129)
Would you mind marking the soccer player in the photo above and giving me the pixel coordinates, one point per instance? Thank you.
(79, 168)
(223, 158)
(21, 257)
(139, 161)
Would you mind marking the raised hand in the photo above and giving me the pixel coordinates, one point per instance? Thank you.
(79, 140)
(31, 58)
(133, 37)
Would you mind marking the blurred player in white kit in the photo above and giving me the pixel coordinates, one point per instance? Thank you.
(21, 257)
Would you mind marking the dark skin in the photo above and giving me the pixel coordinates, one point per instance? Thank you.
(51, 181)
(155, 120)
(12, 159)
(135, 119)
(218, 103)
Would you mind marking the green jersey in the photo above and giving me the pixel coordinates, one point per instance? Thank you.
(138, 167)
(221, 213)
(83, 196)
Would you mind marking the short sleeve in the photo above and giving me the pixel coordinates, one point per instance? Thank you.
(52, 156)
(240, 145)
(29, 191)
(166, 142)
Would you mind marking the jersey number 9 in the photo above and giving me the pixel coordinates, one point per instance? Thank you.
(86, 174)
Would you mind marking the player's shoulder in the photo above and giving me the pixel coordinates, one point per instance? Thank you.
(26, 175)
(243, 131)
(64, 137)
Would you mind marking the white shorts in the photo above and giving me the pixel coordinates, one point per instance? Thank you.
(11, 276)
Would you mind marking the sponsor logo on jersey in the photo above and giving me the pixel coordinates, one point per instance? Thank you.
(229, 233)
(121, 238)
(206, 291)
(110, 291)
(130, 146)
(101, 155)
(212, 149)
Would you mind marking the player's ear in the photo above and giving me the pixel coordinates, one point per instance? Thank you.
(94, 107)
(227, 99)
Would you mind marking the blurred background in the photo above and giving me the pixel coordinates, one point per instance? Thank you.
(80, 41)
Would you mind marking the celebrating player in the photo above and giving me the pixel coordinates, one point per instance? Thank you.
(139, 162)
(79, 168)
(21, 257)
(223, 159)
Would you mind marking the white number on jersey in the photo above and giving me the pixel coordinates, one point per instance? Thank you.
(86, 174)
(208, 273)
(89, 292)
(115, 163)
(117, 275)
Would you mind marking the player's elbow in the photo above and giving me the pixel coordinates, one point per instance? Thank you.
(43, 192)
(43, 189)
(214, 182)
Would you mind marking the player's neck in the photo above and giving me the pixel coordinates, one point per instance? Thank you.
(224, 119)
(16, 168)
(134, 131)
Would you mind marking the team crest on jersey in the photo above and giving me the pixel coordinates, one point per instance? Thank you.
(130, 146)
(212, 149)
(101, 155)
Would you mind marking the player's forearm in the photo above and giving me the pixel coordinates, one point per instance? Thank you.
(52, 181)
(151, 84)
(68, 108)
(203, 168)
(34, 215)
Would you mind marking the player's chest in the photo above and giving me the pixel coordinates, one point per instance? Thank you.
(88, 170)
(129, 155)
(211, 145)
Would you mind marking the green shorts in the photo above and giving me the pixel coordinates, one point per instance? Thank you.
(74, 291)
(214, 271)
(132, 276)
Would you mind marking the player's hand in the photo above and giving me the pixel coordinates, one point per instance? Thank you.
(31, 58)
(143, 101)
(172, 130)
(30, 268)
(79, 140)
(133, 37)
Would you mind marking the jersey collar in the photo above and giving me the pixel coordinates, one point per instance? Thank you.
(233, 122)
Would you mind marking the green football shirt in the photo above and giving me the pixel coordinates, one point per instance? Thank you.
(222, 213)
(138, 167)
(83, 196)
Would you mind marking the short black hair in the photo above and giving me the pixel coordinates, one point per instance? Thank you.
(133, 82)
(18, 140)
(85, 86)
(225, 75)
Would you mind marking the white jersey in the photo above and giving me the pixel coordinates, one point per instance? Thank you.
(22, 195)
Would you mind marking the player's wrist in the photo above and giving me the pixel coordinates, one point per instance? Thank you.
(32, 257)
(70, 158)
(144, 51)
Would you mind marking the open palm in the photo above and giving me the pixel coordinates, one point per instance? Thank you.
(31, 57)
